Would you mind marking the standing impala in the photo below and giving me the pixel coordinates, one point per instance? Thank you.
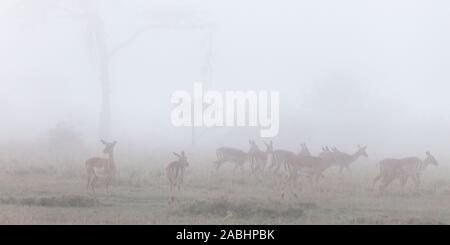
(283, 157)
(311, 166)
(259, 158)
(343, 160)
(105, 164)
(403, 169)
(175, 172)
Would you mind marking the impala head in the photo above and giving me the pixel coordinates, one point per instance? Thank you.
(182, 158)
(430, 159)
(362, 151)
(109, 147)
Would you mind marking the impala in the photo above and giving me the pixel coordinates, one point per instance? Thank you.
(232, 155)
(311, 166)
(283, 157)
(343, 160)
(107, 165)
(175, 172)
(403, 169)
(259, 158)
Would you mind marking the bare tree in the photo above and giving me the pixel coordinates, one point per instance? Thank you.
(100, 47)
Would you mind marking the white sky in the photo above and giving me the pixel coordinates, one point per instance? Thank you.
(392, 57)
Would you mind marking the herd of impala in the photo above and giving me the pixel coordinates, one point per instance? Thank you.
(292, 164)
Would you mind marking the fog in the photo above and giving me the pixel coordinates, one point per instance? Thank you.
(348, 72)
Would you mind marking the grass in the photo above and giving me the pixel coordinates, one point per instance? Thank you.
(42, 192)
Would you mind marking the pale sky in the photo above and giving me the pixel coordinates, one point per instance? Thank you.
(348, 72)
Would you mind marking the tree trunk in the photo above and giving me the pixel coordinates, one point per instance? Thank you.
(100, 47)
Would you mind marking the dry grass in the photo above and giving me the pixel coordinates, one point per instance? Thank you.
(47, 192)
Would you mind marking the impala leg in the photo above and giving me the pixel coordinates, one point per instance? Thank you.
(108, 186)
(236, 166)
(416, 180)
(385, 184)
(272, 164)
(218, 164)
(403, 182)
(278, 165)
(180, 182)
(375, 181)
(88, 183)
(93, 184)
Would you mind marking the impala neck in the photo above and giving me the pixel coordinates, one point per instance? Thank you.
(356, 155)
(111, 160)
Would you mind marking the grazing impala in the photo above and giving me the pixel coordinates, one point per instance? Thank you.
(255, 155)
(175, 172)
(107, 165)
(259, 158)
(232, 155)
(343, 160)
(403, 169)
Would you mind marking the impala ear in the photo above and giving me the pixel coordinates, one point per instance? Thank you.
(176, 154)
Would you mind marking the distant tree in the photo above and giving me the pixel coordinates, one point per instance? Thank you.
(337, 95)
(99, 45)
(101, 49)
(64, 138)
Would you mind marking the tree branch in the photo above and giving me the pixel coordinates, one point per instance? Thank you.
(136, 34)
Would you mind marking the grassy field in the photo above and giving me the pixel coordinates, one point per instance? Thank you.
(40, 193)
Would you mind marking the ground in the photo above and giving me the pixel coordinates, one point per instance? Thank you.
(57, 195)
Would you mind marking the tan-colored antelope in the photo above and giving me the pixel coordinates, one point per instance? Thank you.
(232, 155)
(403, 169)
(105, 165)
(259, 158)
(343, 160)
(311, 166)
(283, 157)
(175, 172)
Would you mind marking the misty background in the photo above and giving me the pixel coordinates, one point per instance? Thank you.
(349, 72)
